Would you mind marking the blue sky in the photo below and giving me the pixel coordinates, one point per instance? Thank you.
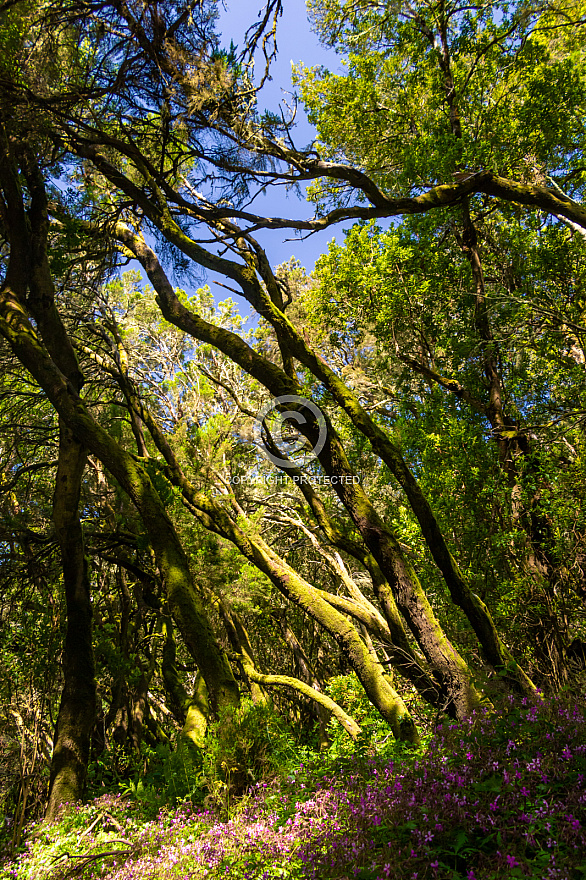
(296, 42)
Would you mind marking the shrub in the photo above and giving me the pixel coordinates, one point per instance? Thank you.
(500, 796)
(242, 748)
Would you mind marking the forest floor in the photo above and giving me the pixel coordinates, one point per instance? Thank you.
(502, 795)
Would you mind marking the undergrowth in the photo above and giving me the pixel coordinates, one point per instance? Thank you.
(501, 795)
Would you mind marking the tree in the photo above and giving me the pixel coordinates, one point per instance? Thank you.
(160, 141)
(500, 254)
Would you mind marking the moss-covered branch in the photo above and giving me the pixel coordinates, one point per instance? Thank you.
(348, 723)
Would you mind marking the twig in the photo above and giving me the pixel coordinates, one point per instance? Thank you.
(92, 857)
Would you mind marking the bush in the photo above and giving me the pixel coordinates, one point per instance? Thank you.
(243, 748)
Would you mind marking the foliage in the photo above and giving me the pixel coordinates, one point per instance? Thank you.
(375, 738)
(249, 745)
(434, 544)
(501, 795)
(501, 67)
(241, 748)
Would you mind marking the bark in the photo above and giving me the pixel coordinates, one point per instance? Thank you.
(403, 660)
(390, 629)
(440, 196)
(77, 709)
(539, 562)
(396, 568)
(402, 578)
(476, 611)
(184, 602)
(306, 597)
(540, 565)
(549, 641)
(378, 538)
(279, 382)
(140, 712)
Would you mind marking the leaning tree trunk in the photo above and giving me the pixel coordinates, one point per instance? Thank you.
(28, 277)
(46, 355)
(370, 673)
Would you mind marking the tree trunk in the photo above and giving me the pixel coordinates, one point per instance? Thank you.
(215, 518)
(241, 645)
(191, 710)
(78, 701)
(185, 604)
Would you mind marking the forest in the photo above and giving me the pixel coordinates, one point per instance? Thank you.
(292, 558)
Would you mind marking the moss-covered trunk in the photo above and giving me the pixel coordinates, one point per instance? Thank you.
(184, 602)
(216, 518)
(190, 710)
(397, 570)
(78, 701)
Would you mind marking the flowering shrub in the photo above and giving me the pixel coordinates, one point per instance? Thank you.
(499, 796)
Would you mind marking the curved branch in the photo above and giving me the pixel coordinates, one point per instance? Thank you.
(348, 723)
